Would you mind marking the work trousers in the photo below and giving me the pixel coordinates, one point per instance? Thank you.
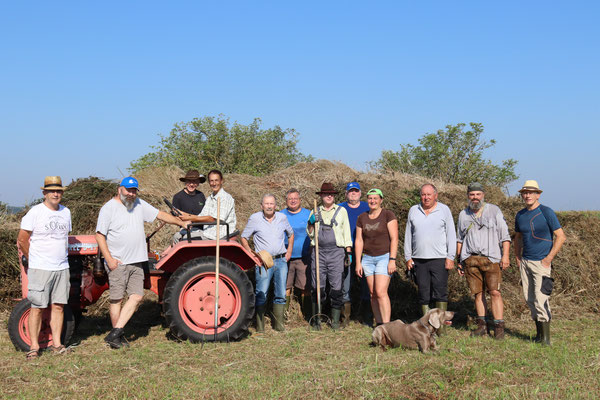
(532, 273)
(432, 279)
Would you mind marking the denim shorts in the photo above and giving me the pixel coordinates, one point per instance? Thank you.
(377, 265)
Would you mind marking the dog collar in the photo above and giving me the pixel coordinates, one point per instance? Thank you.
(424, 326)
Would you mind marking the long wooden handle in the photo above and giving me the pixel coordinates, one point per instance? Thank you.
(317, 260)
(217, 267)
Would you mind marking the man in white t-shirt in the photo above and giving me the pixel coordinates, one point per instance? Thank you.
(43, 239)
(122, 241)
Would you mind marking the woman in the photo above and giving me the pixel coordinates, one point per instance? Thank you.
(375, 247)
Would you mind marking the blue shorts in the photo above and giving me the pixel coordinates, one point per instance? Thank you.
(377, 265)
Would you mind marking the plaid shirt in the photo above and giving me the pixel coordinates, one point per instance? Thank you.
(227, 213)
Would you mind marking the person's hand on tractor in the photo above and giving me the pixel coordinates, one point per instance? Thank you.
(185, 216)
(184, 224)
(112, 263)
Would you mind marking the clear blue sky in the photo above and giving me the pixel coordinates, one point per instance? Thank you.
(86, 87)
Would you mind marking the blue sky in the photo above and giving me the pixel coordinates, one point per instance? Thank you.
(88, 86)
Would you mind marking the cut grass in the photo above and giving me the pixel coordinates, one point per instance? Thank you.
(300, 364)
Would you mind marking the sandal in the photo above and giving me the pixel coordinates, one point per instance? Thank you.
(59, 350)
(32, 354)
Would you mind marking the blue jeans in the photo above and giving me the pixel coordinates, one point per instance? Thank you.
(278, 272)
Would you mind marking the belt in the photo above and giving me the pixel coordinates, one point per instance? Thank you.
(279, 256)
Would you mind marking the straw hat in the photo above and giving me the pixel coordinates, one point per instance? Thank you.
(53, 183)
(266, 258)
(193, 175)
(531, 185)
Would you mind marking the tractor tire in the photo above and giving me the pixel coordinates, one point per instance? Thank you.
(189, 301)
(18, 326)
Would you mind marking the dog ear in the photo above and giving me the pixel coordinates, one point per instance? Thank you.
(434, 319)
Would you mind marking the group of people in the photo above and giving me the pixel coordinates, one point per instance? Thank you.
(354, 241)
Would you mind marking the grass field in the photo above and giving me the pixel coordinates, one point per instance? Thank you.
(304, 364)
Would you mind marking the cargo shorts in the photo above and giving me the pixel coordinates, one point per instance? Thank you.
(48, 287)
(126, 278)
(480, 271)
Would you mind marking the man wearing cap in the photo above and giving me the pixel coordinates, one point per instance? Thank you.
(354, 206)
(298, 263)
(335, 241)
(43, 240)
(483, 246)
(269, 229)
(190, 200)
(538, 238)
(430, 247)
(209, 212)
(122, 241)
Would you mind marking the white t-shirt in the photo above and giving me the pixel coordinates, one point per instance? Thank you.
(124, 230)
(48, 247)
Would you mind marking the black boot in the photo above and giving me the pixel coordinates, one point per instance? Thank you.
(114, 338)
(546, 333)
(315, 320)
(538, 329)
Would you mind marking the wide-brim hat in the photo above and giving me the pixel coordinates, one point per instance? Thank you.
(266, 258)
(327, 188)
(53, 183)
(192, 175)
(530, 185)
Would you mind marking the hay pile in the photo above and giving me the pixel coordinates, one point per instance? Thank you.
(576, 274)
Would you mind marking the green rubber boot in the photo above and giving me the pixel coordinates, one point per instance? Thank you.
(442, 305)
(278, 317)
(260, 318)
(335, 318)
(315, 320)
(539, 333)
(424, 309)
(546, 333)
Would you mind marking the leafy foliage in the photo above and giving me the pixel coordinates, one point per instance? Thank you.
(209, 142)
(452, 155)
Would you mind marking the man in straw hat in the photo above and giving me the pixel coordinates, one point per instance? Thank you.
(538, 238)
(190, 199)
(335, 240)
(269, 230)
(43, 239)
(483, 246)
(122, 241)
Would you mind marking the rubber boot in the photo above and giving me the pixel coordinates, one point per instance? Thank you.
(287, 308)
(260, 318)
(335, 318)
(114, 338)
(442, 305)
(499, 330)
(424, 309)
(481, 327)
(546, 333)
(347, 311)
(539, 334)
(278, 312)
(315, 320)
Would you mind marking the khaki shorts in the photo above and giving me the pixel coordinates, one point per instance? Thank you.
(297, 271)
(126, 278)
(480, 270)
(48, 287)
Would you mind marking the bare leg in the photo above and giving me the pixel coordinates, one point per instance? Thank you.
(383, 300)
(56, 323)
(35, 324)
(480, 305)
(374, 300)
(497, 304)
(128, 310)
(115, 311)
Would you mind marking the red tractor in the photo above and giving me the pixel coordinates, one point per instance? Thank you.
(183, 277)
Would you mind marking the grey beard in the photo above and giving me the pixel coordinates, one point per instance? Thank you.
(476, 206)
(126, 202)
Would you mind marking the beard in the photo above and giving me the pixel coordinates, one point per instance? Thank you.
(127, 202)
(475, 206)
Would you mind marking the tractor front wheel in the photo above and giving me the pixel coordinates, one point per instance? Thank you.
(189, 301)
(18, 326)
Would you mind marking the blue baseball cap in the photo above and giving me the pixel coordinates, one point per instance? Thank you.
(352, 185)
(129, 183)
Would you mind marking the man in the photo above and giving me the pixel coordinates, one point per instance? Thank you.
(269, 230)
(483, 246)
(190, 200)
(43, 239)
(538, 238)
(335, 241)
(354, 206)
(299, 261)
(430, 247)
(209, 212)
(122, 241)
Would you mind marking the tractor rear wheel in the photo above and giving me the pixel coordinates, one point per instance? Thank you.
(18, 326)
(189, 301)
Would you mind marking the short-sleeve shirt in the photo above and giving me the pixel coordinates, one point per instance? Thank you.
(537, 227)
(124, 229)
(267, 235)
(48, 247)
(298, 221)
(375, 234)
(189, 203)
(353, 214)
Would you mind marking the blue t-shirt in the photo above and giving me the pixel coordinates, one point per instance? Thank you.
(353, 214)
(537, 227)
(298, 221)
